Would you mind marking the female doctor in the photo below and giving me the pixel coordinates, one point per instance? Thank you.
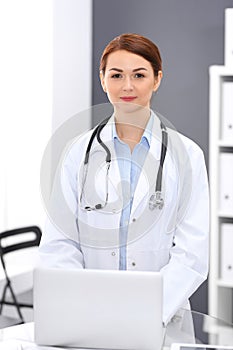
(133, 191)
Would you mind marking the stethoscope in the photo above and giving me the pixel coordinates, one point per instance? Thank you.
(156, 200)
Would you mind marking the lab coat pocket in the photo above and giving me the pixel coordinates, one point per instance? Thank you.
(150, 260)
(98, 229)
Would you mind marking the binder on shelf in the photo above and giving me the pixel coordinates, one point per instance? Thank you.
(228, 48)
(226, 252)
(227, 111)
(226, 183)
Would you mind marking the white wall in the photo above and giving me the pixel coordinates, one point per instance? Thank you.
(72, 60)
(26, 83)
(44, 81)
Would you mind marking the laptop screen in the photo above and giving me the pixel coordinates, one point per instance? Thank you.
(98, 308)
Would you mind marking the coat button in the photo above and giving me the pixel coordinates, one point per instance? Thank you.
(133, 263)
(113, 253)
(134, 219)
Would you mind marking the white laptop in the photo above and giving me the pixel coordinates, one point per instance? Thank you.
(105, 309)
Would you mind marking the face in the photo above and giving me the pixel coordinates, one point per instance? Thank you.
(129, 79)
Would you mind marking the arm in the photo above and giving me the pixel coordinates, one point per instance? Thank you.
(59, 245)
(188, 264)
(56, 250)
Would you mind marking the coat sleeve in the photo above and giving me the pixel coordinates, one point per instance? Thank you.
(188, 263)
(59, 245)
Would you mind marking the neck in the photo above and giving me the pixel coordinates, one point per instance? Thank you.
(130, 126)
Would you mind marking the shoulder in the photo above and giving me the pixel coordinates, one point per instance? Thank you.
(186, 154)
(184, 144)
(75, 150)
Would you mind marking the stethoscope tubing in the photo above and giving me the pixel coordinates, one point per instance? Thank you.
(156, 199)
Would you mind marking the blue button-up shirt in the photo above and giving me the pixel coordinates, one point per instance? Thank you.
(130, 165)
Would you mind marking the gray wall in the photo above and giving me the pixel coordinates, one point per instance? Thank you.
(190, 35)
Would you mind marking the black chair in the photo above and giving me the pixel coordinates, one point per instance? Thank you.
(9, 297)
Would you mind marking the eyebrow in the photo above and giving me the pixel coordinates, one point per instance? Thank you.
(134, 70)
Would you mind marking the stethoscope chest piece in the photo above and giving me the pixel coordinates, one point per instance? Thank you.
(156, 201)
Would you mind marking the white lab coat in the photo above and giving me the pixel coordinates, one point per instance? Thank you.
(173, 240)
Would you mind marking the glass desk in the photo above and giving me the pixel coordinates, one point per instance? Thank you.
(198, 328)
(189, 327)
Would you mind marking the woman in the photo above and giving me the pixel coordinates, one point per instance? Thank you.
(136, 198)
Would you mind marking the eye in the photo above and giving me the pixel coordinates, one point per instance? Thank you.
(116, 76)
(139, 75)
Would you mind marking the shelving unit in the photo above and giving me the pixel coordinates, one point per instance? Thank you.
(220, 294)
(220, 153)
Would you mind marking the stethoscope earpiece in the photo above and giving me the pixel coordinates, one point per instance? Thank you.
(98, 206)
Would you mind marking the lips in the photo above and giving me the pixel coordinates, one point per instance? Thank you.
(128, 98)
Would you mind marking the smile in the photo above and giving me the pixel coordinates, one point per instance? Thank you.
(128, 98)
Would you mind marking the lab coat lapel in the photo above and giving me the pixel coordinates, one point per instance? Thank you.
(147, 179)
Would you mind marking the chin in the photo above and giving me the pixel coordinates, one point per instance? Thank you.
(129, 107)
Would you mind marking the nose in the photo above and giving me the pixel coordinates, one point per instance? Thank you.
(127, 85)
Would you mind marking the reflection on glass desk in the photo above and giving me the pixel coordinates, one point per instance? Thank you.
(190, 327)
(195, 327)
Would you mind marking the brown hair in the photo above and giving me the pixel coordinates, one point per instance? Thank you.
(136, 44)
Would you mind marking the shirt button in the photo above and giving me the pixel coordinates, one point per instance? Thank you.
(113, 253)
(133, 263)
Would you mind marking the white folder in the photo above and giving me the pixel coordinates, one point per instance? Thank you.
(226, 252)
(226, 183)
(228, 45)
(227, 111)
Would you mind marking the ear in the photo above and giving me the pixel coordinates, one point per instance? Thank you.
(158, 80)
(102, 81)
